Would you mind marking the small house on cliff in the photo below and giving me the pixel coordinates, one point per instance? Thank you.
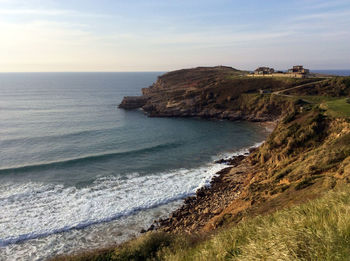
(299, 70)
(264, 70)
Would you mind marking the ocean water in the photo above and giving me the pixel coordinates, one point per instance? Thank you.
(78, 173)
(333, 72)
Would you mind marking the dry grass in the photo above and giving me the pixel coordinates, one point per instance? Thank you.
(318, 230)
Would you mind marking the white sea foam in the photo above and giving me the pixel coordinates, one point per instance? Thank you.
(31, 211)
(39, 220)
(242, 151)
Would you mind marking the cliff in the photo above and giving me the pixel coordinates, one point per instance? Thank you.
(216, 92)
(132, 102)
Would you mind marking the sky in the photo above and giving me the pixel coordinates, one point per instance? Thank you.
(163, 35)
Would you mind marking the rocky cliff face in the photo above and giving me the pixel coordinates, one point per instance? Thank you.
(133, 102)
(214, 92)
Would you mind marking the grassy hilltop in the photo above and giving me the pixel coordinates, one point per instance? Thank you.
(291, 195)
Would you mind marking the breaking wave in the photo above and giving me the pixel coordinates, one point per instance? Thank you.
(33, 210)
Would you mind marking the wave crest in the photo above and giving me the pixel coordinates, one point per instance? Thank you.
(85, 159)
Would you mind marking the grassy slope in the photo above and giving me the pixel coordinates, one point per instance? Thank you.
(339, 107)
(307, 154)
(332, 87)
(336, 107)
(318, 230)
(330, 94)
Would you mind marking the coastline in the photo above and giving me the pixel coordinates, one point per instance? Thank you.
(211, 200)
(208, 202)
(216, 186)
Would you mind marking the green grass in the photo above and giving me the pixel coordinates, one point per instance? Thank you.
(316, 99)
(335, 107)
(338, 108)
(317, 230)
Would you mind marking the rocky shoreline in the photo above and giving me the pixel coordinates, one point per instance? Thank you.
(209, 201)
(212, 200)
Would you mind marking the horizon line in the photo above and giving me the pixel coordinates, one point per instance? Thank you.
(150, 71)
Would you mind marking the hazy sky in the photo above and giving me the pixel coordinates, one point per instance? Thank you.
(160, 35)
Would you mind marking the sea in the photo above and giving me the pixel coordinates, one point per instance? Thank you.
(77, 173)
(333, 72)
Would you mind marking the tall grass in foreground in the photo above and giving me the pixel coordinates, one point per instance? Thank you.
(318, 230)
